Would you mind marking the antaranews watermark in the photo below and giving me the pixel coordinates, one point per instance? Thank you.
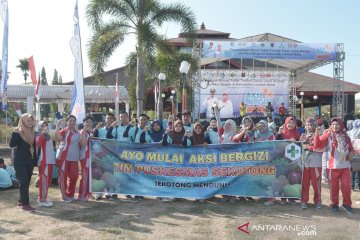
(300, 229)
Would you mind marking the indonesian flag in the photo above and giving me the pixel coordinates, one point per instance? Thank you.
(32, 69)
(37, 95)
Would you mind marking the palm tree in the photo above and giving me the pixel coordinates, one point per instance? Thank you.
(113, 20)
(24, 67)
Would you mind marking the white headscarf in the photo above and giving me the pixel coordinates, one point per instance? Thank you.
(228, 135)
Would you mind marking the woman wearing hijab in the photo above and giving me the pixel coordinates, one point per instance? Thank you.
(340, 153)
(157, 131)
(312, 166)
(23, 140)
(177, 135)
(45, 162)
(354, 134)
(263, 133)
(247, 132)
(198, 136)
(228, 132)
(288, 131)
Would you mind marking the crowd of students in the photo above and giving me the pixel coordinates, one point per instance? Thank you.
(35, 148)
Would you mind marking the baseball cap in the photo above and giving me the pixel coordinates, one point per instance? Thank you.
(186, 112)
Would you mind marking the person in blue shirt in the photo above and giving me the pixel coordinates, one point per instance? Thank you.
(119, 130)
(156, 131)
(186, 119)
(140, 133)
(7, 176)
(101, 131)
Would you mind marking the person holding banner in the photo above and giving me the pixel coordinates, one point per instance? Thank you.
(263, 133)
(312, 166)
(354, 135)
(186, 119)
(227, 135)
(198, 136)
(341, 152)
(84, 192)
(288, 131)
(177, 135)
(156, 131)
(46, 161)
(25, 157)
(68, 157)
(140, 133)
(247, 132)
(119, 130)
(100, 131)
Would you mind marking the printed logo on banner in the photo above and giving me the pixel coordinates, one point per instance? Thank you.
(292, 151)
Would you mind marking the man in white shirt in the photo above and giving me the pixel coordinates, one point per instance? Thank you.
(226, 107)
(208, 103)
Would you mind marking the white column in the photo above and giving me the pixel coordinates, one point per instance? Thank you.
(127, 107)
(60, 106)
(29, 104)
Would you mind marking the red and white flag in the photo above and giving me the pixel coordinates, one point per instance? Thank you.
(37, 93)
(32, 70)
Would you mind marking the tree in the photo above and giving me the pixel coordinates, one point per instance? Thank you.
(24, 67)
(43, 77)
(55, 80)
(114, 20)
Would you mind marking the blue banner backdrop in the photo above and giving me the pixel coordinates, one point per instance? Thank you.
(269, 50)
(262, 169)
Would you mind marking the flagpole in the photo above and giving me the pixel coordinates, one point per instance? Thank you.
(77, 107)
(38, 115)
(117, 97)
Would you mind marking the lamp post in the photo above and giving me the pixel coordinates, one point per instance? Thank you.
(173, 102)
(302, 107)
(161, 77)
(184, 69)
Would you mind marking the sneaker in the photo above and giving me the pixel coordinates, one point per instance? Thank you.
(128, 196)
(139, 197)
(348, 209)
(292, 201)
(45, 203)
(27, 208)
(269, 203)
(67, 200)
(303, 205)
(19, 204)
(82, 199)
(114, 196)
(318, 205)
(334, 208)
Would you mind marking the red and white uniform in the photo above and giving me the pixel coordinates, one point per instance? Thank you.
(338, 167)
(84, 191)
(67, 157)
(312, 174)
(45, 164)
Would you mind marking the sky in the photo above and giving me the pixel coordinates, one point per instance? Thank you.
(43, 28)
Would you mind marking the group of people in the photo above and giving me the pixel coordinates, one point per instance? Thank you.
(35, 148)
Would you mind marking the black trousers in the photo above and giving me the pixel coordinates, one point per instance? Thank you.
(354, 178)
(23, 174)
